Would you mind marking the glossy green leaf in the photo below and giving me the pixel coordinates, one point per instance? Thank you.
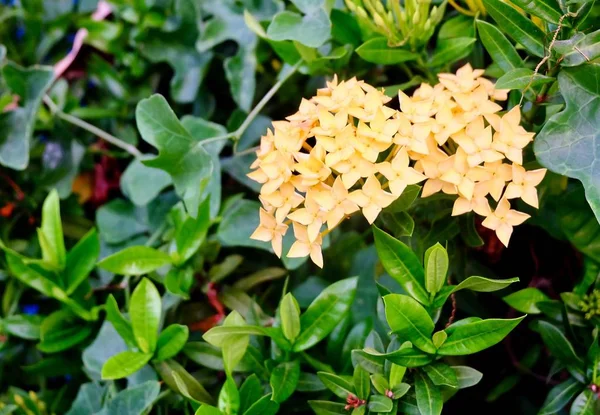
(548, 10)
(585, 403)
(121, 325)
(250, 392)
(402, 265)
(406, 356)
(264, 406)
(399, 224)
(522, 78)
(560, 396)
(208, 410)
(144, 311)
(362, 382)
(579, 49)
(61, 330)
(525, 300)
(378, 51)
(171, 341)
(16, 126)
(284, 380)
(229, 397)
(467, 376)
(325, 312)
(448, 51)
(190, 232)
(407, 318)
(181, 381)
(340, 386)
(380, 383)
(22, 325)
(429, 397)
(185, 159)
(234, 345)
(290, 316)
(473, 337)
(217, 335)
(124, 364)
(81, 260)
(517, 26)
(135, 260)
(328, 408)
(379, 403)
(441, 374)
(436, 268)
(561, 348)
(179, 281)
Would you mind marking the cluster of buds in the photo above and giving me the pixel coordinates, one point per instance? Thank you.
(412, 22)
(590, 304)
(345, 151)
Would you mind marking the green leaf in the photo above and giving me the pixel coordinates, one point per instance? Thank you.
(171, 341)
(436, 268)
(179, 281)
(560, 347)
(133, 400)
(208, 410)
(121, 325)
(264, 406)
(559, 396)
(284, 380)
(429, 398)
(548, 10)
(289, 312)
(380, 383)
(312, 29)
(467, 376)
(16, 126)
(239, 70)
(584, 404)
(327, 408)
(517, 26)
(61, 330)
(522, 78)
(402, 264)
(217, 335)
(448, 51)
(88, 400)
(441, 374)
(53, 249)
(185, 159)
(525, 300)
(379, 403)
(569, 140)
(479, 284)
(407, 318)
(340, 386)
(81, 260)
(141, 184)
(378, 51)
(22, 325)
(229, 397)
(235, 344)
(135, 260)
(190, 232)
(580, 49)
(182, 382)
(250, 391)
(407, 356)
(144, 311)
(325, 312)
(124, 364)
(400, 224)
(118, 221)
(475, 336)
(362, 382)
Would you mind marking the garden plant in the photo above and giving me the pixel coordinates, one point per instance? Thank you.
(223, 207)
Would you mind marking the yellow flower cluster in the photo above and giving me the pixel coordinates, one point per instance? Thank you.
(345, 150)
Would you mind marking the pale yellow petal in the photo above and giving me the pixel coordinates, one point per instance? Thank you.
(371, 211)
(503, 232)
(299, 250)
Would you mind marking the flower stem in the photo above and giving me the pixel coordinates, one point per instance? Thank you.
(92, 129)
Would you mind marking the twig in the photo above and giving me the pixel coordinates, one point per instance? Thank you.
(92, 129)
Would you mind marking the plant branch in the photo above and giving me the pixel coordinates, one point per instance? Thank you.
(91, 128)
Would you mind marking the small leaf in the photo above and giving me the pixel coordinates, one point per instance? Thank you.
(522, 78)
(284, 380)
(377, 51)
(264, 406)
(407, 318)
(121, 325)
(324, 313)
(436, 268)
(379, 403)
(467, 376)
(250, 392)
(144, 311)
(290, 317)
(429, 398)
(171, 341)
(380, 383)
(124, 364)
(53, 250)
(439, 338)
(525, 300)
(135, 260)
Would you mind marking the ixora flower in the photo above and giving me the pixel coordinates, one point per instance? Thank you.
(345, 151)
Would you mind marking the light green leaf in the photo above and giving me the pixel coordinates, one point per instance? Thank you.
(479, 284)
(325, 312)
(190, 232)
(289, 312)
(218, 335)
(475, 336)
(362, 382)
(141, 184)
(144, 311)
(380, 383)
(436, 268)
(53, 249)
(179, 281)
(377, 51)
(135, 260)
(429, 397)
(409, 320)
(450, 50)
(229, 397)
(467, 376)
(379, 403)
(186, 160)
(525, 300)
(181, 381)
(171, 341)
(208, 410)
(124, 364)
(284, 379)
(522, 78)
(402, 265)
(234, 345)
(517, 26)
(16, 126)
(81, 260)
(121, 325)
